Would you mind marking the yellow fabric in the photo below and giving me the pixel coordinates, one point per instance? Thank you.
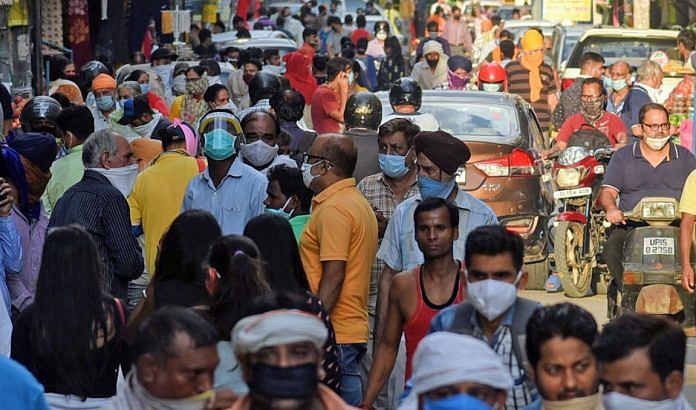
(175, 109)
(342, 227)
(531, 41)
(157, 196)
(688, 198)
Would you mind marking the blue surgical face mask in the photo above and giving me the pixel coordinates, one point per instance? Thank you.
(607, 82)
(281, 211)
(456, 402)
(619, 85)
(219, 144)
(430, 188)
(105, 103)
(393, 166)
(145, 88)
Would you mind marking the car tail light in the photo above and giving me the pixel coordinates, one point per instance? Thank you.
(521, 226)
(518, 163)
(566, 82)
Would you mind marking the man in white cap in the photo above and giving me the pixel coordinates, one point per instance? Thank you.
(457, 371)
(280, 352)
(431, 72)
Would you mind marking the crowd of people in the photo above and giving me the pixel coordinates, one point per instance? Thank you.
(172, 239)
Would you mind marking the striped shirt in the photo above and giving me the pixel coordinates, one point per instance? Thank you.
(518, 83)
(399, 249)
(102, 210)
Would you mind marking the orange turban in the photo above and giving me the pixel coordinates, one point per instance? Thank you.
(532, 40)
(103, 82)
(145, 149)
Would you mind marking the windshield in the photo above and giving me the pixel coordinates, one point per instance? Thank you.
(570, 41)
(474, 122)
(631, 50)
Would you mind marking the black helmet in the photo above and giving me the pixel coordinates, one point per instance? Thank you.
(363, 110)
(39, 115)
(382, 25)
(263, 85)
(406, 91)
(88, 71)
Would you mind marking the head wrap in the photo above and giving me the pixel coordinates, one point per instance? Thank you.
(277, 327)
(301, 79)
(103, 81)
(39, 148)
(486, 25)
(146, 149)
(432, 46)
(189, 134)
(456, 62)
(445, 358)
(532, 40)
(444, 150)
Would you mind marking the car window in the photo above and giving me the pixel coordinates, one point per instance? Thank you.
(570, 41)
(475, 122)
(632, 50)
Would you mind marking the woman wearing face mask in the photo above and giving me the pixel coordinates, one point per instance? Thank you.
(393, 67)
(143, 79)
(218, 97)
(179, 79)
(458, 69)
(191, 106)
(375, 47)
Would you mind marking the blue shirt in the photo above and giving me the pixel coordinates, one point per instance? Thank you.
(18, 388)
(399, 249)
(634, 101)
(10, 256)
(234, 202)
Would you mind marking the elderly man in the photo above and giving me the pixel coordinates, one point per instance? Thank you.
(641, 361)
(620, 73)
(260, 151)
(174, 369)
(452, 371)
(337, 247)
(104, 90)
(98, 203)
(645, 90)
(280, 352)
(432, 71)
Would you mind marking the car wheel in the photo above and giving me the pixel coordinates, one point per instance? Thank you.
(574, 270)
(538, 273)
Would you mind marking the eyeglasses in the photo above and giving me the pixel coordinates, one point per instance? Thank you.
(307, 157)
(657, 127)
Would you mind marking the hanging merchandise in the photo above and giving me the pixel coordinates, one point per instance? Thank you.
(79, 35)
(52, 22)
(18, 14)
(210, 9)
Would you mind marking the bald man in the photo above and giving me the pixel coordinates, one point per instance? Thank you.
(620, 73)
(337, 248)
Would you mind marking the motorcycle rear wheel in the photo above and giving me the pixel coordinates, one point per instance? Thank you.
(575, 272)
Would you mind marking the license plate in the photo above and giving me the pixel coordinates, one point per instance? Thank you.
(572, 193)
(658, 246)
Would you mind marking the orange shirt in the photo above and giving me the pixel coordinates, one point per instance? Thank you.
(342, 227)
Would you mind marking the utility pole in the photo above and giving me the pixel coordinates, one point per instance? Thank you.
(37, 60)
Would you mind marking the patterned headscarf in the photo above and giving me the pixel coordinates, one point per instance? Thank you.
(194, 105)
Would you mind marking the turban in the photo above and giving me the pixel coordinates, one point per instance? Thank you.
(445, 358)
(444, 150)
(532, 40)
(432, 46)
(486, 25)
(146, 149)
(39, 148)
(277, 327)
(456, 62)
(103, 81)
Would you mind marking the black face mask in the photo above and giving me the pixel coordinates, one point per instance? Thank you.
(295, 382)
(432, 63)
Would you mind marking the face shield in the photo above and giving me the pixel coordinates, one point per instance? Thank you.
(221, 120)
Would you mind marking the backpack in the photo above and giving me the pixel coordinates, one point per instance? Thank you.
(588, 137)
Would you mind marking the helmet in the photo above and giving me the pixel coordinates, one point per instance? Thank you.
(263, 85)
(406, 91)
(88, 71)
(492, 74)
(363, 110)
(39, 115)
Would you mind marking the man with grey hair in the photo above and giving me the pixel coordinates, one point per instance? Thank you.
(645, 90)
(98, 203)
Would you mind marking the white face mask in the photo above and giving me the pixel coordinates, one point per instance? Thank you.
(122, 178)
(307, 176)
(492, 298)
(618, 401)
(259, 153)
(657, 143)
(381, 35)
(214, 79)
(164, 72)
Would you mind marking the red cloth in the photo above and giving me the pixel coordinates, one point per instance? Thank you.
(418, 326)
(324, 101)
(608, 124)
(307, 50)
(157, 103)
(78, 34)
(297, 68)
(358, 34)
(243, 8)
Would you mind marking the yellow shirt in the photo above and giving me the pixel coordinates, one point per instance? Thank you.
(175, 109)
(342, 227)
(688, 198)
(157, 196)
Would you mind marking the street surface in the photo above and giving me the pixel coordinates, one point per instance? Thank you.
(597, 305)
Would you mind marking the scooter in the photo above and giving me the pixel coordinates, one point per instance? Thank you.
(652, 264)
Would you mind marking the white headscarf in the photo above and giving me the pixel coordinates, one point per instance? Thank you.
(277, 327)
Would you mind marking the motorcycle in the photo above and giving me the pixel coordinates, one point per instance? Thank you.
(578, 228)
(652, 264)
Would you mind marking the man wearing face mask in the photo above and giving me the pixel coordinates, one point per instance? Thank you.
(439, 157)
(329, 99)
(362, 116)
(559, 348)
(337, 247)
(432, 71)
(139, 116)
(229, 189)
(493, 312)
(161, 60)
(288, 197)
(652, 166)
(644, 91)
(261, 131)
(104, 90)
(261, 88)
(641, 360)
(592, 113)
(432, 35)
(620, 73)
(98, 203)
(591, 66)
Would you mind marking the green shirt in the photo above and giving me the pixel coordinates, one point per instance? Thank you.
(298, 224)
(65, 172)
